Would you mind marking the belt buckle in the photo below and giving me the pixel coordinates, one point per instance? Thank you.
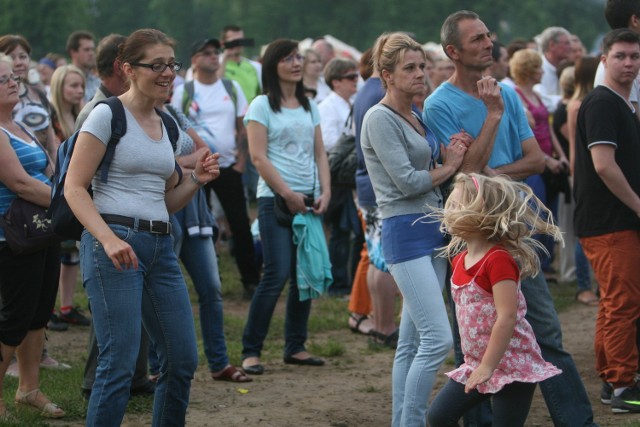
(164, 227)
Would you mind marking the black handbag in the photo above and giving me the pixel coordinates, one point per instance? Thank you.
(27, 228)
(284, 217)
(343, 161)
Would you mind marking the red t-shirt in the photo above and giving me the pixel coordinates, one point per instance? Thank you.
(495, 266)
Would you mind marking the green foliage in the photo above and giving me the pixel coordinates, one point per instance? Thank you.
(47, 23)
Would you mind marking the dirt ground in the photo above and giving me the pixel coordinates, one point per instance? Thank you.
(352, 390)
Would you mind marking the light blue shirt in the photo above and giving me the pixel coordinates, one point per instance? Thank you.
(290, 144)
(449, 110)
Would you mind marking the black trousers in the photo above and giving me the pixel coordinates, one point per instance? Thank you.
(230, 191)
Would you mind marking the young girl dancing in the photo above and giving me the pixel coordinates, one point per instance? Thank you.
(492, 222)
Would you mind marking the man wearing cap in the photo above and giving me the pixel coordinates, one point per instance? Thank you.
(216, 108)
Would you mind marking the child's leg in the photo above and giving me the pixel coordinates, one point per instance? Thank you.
(452, 403)
(511, 404)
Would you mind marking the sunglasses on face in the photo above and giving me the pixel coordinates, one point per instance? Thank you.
(160, 67)
(353, 77)
(5, 80)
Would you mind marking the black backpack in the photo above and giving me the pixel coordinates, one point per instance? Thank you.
(63, 220)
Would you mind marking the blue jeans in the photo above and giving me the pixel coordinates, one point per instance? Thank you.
(425, 337)
(279, 266)
(157, 294)
(583, 269)
(564, 394)
(198, 255)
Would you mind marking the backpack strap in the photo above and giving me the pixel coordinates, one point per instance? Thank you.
(231, 90)
(187, 96)
(118, 129)
(172, 128)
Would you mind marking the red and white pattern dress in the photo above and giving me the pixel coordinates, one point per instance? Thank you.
(476, 314)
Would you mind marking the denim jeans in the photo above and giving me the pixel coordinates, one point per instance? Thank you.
(564, 394)
(425, 337)
(199, 257)
(583, 268)
(157, 294)
(279, 266)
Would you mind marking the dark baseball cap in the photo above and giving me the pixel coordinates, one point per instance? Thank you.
(201, 44)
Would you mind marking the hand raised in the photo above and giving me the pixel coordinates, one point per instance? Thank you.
(489, 93)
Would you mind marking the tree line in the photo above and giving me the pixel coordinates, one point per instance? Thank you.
(47, 23)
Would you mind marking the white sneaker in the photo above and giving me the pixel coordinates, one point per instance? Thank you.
(50, 362)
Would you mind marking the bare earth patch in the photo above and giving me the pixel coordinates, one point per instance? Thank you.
(353, 390)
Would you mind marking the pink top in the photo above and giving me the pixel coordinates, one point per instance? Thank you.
(476, 314)
(542, 129)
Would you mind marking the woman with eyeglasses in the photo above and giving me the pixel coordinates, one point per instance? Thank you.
(33, 108)
(285, 142)
(129, 268)
(28, 283)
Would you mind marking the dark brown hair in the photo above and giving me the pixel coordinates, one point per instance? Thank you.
(134, 49)
(10, 41)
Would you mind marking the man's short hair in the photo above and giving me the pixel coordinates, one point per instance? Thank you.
(619, 12)
(336, 69)
(107, 52)
(624, 35)
(450, 33)
(73, 42)
(551, 34)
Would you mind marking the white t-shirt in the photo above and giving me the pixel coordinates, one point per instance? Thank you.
(549, 86)
(334, 111)
(214, 116)
(290, 144)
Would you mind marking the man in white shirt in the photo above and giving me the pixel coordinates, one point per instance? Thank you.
(555, 43)
(216, 108)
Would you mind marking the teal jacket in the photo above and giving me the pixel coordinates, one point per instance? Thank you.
(313, 269)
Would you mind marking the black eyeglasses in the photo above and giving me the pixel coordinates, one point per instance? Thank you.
(159, 67)
(353, 77)
(5, 80)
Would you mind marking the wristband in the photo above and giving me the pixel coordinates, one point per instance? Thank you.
(195, 179)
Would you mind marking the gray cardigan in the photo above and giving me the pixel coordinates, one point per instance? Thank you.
(398, 161)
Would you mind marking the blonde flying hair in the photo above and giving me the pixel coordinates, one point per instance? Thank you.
(503, 211)
(389, 50)
(57, 94)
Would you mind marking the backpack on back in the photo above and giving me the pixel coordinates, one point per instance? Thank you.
(63, 220)
(189, 89)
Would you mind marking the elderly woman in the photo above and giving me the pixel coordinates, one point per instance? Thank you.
(33, 108)
(526, 70)
(28, 283)
(401, 155)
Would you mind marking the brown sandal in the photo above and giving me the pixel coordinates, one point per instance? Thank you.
(233, 375)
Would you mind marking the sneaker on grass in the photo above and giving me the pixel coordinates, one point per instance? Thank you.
(627, 401)
(74, 317)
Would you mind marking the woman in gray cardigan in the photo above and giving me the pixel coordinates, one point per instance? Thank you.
(401, 156)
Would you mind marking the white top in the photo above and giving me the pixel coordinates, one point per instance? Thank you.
(214, 116)
(549, 86)
(334, 111)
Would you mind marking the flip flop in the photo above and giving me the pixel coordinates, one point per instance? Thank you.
(233, 375)
(587, 297)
